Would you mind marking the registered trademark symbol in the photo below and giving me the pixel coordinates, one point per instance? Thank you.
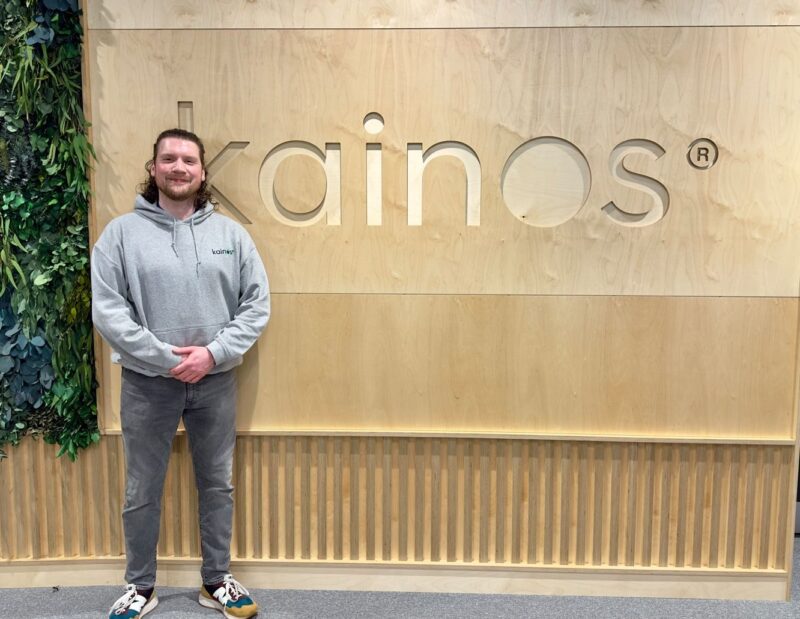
(702, 154)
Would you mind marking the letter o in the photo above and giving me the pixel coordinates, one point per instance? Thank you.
(545, 182)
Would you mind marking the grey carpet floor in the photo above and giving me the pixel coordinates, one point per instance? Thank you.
(85, 602)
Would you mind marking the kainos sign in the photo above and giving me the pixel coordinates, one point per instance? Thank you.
(531, 192)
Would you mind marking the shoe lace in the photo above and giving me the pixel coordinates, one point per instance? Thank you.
(231, 590)
(126, 601)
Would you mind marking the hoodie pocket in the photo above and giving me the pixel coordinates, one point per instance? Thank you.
(201, 335)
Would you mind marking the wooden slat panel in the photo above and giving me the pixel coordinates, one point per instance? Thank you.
(305, 506)
(181, 14)
(784, 520)
(615, 501)
(734, 521)
(27, 539)
(516, 502)
(8, 532)
(371, 493)
(169, 519)
(531, 503)
(353, 501)
(38, 499)
(644, 505)
(405, 500)
(272, 460)
(288, 516)
(469, 501)
(484, 497)
(386, 500)
(720, 497)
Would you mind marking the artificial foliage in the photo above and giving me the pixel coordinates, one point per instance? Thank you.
(46, 356)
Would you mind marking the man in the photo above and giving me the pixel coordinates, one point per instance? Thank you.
(180, 293)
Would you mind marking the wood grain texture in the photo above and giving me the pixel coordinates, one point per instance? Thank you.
(665, 367)
(681, 331)
(729, 230)
(176, 14)
(427, 481)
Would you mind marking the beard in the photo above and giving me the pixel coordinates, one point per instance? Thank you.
(179, 193)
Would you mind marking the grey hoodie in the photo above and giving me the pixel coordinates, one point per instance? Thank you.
(158, 283)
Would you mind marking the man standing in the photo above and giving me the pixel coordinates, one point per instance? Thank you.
(179, 293)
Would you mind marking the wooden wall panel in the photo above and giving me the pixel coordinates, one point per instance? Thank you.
(475, 390)
(637, 366)
(429, 501)
(729, 230)
(154, 14)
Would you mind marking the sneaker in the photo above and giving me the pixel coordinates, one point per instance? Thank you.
(230, 598)
(132, 604)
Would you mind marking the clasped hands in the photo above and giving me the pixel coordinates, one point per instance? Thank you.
(197, 362)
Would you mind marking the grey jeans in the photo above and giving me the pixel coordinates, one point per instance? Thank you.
(151, 409)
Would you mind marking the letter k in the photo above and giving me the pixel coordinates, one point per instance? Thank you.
(231, 150)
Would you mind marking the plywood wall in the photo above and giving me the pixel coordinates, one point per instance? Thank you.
(728, 231)
(470, 317)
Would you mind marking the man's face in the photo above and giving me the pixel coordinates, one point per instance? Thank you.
(177, 169)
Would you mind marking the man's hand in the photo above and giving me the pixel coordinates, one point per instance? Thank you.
(197, 362)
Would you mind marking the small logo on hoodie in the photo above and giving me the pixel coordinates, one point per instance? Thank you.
(227, 252)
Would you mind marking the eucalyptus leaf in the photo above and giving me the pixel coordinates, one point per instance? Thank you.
(41, 34)
(6, 364)
(46, 377)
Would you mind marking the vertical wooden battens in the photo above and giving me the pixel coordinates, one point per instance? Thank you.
(443, 501)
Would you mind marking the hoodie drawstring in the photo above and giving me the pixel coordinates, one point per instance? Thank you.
(154, 212)
(174, 238)
(196, 255)
(194, 241)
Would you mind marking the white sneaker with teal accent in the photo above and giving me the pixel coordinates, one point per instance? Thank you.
(132, 605)
(230, 598)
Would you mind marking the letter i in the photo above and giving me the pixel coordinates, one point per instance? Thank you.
(373, 124)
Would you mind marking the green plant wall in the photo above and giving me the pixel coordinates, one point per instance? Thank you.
(46, 357)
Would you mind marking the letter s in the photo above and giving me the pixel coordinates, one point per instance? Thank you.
(637, 181)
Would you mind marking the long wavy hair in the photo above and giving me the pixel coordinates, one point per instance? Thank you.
(148, 188)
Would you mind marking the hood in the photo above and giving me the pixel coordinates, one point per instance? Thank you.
(155, 213)
(162, 218)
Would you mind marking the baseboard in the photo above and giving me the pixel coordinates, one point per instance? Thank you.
(617, 582)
